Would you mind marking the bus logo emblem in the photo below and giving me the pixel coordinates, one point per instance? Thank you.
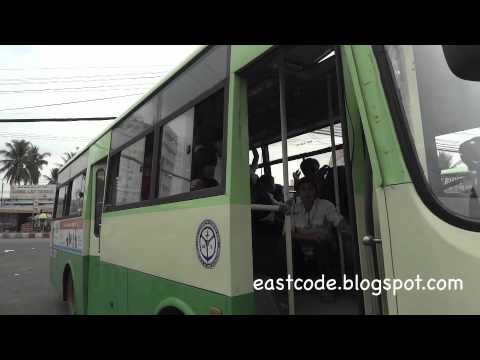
(208, 244)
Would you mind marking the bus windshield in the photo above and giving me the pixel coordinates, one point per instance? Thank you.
(443, 115)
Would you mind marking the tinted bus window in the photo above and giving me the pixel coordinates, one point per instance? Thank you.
(136, 123)
(191, 155)
(176, 155)
(60, 201)
(99, 189)
(130, 173)
(77, 196)
(204, 74)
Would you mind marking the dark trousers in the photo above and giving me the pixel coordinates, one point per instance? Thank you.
(267, 244)
(314, 258)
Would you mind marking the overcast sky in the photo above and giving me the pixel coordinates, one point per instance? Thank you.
(33, 76)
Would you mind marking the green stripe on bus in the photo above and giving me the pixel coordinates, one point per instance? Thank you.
(377, 119)
(149, 295)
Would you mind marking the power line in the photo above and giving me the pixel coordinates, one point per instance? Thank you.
(70, 102)
(82, 76)
(44, 136)
(82, 67)
(88, 80)
(76, 88)
(43, 139)
(90, 91)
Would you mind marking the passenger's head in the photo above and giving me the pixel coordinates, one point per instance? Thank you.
(470, 153)
(205, 160)
(306, 190)
(309, 166)
(267, 183)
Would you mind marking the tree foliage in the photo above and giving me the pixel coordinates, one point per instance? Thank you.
(22, 162)
(53, 177)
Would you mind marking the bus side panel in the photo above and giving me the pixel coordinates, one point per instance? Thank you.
(77, 264)
(96, 304)
(65, 253)
(161, 241)
(148, 294)
(107, 288)
(424, 245)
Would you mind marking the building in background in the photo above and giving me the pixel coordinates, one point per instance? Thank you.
(24, 203)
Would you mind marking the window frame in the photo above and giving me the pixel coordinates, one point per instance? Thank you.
(408, 150)
(57, 194)
(157, 129)
(301, 156)
(70, 188)
(96, 223)
(110, 207)
(173, 78)
(68, 183)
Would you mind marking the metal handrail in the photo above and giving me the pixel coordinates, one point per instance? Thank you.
(262, 207)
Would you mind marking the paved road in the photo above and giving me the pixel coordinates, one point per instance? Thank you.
(24, 279)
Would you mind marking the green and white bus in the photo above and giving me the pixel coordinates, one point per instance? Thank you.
(157, 215)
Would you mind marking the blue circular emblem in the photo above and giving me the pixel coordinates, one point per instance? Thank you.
(208, 243)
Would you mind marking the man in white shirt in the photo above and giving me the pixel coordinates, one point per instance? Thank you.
(311, 216)
(313, 223)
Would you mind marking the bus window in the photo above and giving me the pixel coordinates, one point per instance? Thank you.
(305, 143)
(60, 201)
(191, 149)
(130, 172)
(77, 195)
(99, 187)
(304, 146)
(442, 112)
(204, 74)
(176, 155)
(135, 124)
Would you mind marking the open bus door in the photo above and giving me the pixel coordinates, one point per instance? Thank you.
(98, 187)
(275, 70)
(97, 177)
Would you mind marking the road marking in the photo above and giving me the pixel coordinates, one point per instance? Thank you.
(7, 251)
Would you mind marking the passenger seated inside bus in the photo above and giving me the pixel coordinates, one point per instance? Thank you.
(323, 179)
(313, 224)
(203, 167)
(264, 193)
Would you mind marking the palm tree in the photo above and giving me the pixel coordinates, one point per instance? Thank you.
(53, 178)
(35, 163)
(16, 162)
(68, 155)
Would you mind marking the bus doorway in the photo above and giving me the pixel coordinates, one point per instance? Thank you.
(303, 214)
